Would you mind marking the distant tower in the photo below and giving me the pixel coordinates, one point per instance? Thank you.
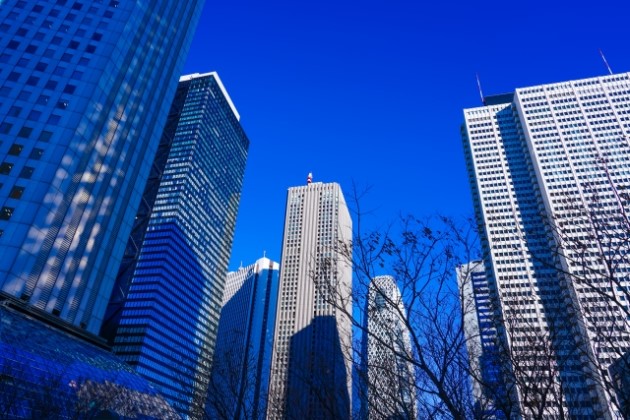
(242, 358)
(312, 354)
(388, 389)
(164, 312)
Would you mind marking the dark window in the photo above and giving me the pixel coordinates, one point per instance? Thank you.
(36, 153)
(6, 213)
(32, 81)
(43, 99)
(16, 192)
(74, 45)
(31, 49)
(97, 36)
(90, 48)
(34, 115)
(59, 70)
(53, 119)
(27, 172)
(16, 149)
(41, 66)
(14, 76)
(77, 6)
(45, 135)
(12, 45)
(5, 127)
(37, 8)
(66, 57)
(62, 104)
(51, 84)
(14, 111)
(25, 132)
(5, 168)
(4, 58)
(69, 89)
(21, 32)
(56, 40)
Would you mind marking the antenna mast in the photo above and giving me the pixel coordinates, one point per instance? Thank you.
(483, 100)
(605, 62)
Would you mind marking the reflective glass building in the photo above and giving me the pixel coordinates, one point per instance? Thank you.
(85, 88)
(312, 349)
(164, 312)
(242, 359)
(52, 372)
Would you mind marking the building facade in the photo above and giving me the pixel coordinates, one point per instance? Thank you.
(82, 107)
(241, 366)
(390, 388)
(312, 354)
(490, 391)
(549, 169)
(164, 313)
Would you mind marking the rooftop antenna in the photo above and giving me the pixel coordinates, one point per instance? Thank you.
(605, 62)
(309, 178)
(483, 100)
(264, 253)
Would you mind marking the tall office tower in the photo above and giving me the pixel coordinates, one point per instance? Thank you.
(389, 391)
(165, 308)
(311, 364)
(241, 366)
(548, 167)
(85, 89)
(480, 330)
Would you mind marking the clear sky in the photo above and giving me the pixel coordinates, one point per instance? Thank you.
(372, 92)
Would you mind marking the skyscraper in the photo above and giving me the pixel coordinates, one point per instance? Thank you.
(390, 391)
(85, 89)
(549, 167)
(484, 350)
(311, 365)
(241, 366)
(164, 312)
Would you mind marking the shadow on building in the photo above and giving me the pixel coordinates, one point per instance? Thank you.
(317, 380)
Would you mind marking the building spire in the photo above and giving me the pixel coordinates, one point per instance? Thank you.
(309, 178)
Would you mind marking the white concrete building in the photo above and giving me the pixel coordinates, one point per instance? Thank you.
(311, 372)
(549, 166)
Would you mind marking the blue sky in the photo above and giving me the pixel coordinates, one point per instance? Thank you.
(372, 92)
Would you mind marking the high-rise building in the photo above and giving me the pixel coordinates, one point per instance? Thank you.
(84, 95)
(389, 391)
(311, 364)
(241, 366)
(548, 167)
(164, 312)
(480, 331)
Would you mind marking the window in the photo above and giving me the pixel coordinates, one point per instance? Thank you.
(32, 81)
(45, 135)
(54, 119)
(36, 153)
(13, 76)
(62, 104)
(69, 88)
(41, 66)
(25, 132)
(5, 127)
(5, 168)
(51, 84)
(16, 192)
(27, 172)
(43, 99)
(14, 111)
(6, 213)
(16, 149)
(31, 49)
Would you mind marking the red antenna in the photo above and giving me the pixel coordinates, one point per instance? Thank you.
(605, 62)
(483, 100)
(309, 178)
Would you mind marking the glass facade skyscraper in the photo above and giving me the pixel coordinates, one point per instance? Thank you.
(164, 312)
(549, 173)
(84, 94)
(241, 367)
(312, 350)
